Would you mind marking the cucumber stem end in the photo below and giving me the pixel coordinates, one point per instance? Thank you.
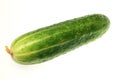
(8, 50)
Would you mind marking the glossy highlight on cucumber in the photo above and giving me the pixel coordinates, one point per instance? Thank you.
(49, 42)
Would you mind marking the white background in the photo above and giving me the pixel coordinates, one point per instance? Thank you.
(98, 60)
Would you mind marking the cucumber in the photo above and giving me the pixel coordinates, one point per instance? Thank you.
(49, 42)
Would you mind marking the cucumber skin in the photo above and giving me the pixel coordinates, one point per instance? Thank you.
(49, 42)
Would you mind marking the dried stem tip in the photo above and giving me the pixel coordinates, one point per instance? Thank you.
(8, 50)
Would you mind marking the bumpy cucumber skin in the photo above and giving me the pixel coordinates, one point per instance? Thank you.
(51, 41)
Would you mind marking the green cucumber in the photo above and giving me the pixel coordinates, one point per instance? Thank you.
(49, 42)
